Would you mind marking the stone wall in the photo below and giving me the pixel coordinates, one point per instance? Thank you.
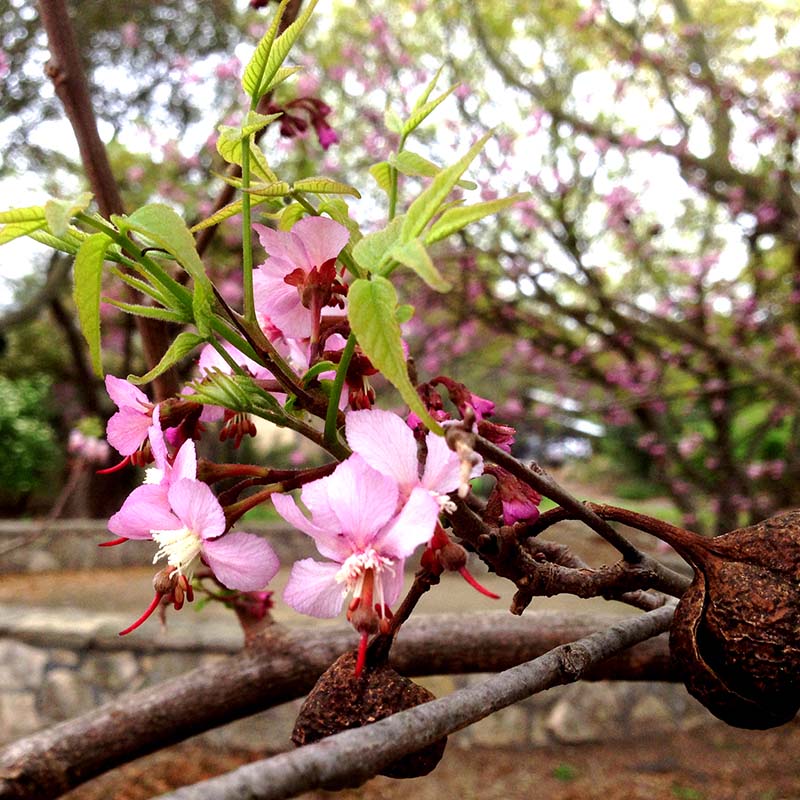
(56, 663)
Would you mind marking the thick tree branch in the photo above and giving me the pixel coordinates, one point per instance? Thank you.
(69, 80)
(283, 666)
(354, 756)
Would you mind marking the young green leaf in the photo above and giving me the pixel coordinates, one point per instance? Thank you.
(454, 219)
(369, 252)
(322, 185)
(382, 173)
(392, 121)
(164, 228)
(427, 205)
(418, 115)
(254, 122)
(29, 214)
(280, 76)
(414, 255)
(274, 189)
(16, 229)
(183, 345)
(426, 92)
(414, 165)
(59, 213)
(337, 209)
(70, 242)
(87, 275)
(229, 146)
(153, 312)
(253, 75)
(290, 215)
(277, 52)
(372, 308)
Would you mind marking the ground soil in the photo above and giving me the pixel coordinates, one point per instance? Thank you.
(715, 763)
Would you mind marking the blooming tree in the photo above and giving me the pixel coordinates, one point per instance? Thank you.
(312, 340)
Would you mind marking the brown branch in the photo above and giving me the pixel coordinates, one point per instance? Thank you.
(354, 756)
(66, 72)
(285, 665)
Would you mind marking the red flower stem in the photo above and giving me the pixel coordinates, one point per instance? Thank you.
(113, 542)
(464, 573)
(116, 467)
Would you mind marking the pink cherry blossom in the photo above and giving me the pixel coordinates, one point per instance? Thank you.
(147, 506)
(354, 523)
(127, 429)
(312, 244)
(195, 531)
(387, 444)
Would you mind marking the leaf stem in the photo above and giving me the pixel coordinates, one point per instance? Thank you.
(247, 243)
(336, 392)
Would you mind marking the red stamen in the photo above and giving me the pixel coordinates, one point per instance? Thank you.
(150, 609)
(113, 542)
(464, 572)
(116, 467)
(362, 653)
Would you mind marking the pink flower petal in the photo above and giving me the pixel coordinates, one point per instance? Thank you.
(281, 303)
(125, 394)
(312, 589)
(392, 581)
(442, 473)
(241, 561)
(385, 442)
(322, 238)
(197, 507)
(145, 509)
(185, 464)
(412, 527)
(127, 429)
(328, 540)
(285, 248)
(362, 499)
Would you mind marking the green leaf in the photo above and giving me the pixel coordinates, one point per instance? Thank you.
(427, 205)
(16, 229)
(229, 146)
(414, 255)
(426, 92)
(183, 345)
(226, 212)
(369, 252)
(59, 213)
(29, 214)
(414, 165)
(70, 242)
(238, 393)
(372, 307)
(419, 114)
(253, 75)
(322, 185)
(163, 227)
(404, 313)
(454, 219)
(290, 215)
(153, 312)
(318, 369)
(278, 50)
(280, 76)
(275, 189)
(254, 122)
(87, 276)
(382, 173)
(392, 121)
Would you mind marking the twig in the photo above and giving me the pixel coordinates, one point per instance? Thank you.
(354, 756)
(282, 667)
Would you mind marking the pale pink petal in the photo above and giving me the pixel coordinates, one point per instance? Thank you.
(312, 589)
(412, 527)
(362, 499)
(322, 238)
(329, 541)
(197, 507)
(281, 303)
(284, 248)
(316, 499)
(127, 429)
(145, 509)
(442, 472)
(157, 444)
(125, 394)
(392, 580)
(385, 442)
(185, 464)
(241, 561)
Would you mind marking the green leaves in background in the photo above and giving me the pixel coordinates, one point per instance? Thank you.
(372, 311)
(87, 276)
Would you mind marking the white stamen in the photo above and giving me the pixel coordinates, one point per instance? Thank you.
(153, 475)
(181, 547)
(355, 567)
